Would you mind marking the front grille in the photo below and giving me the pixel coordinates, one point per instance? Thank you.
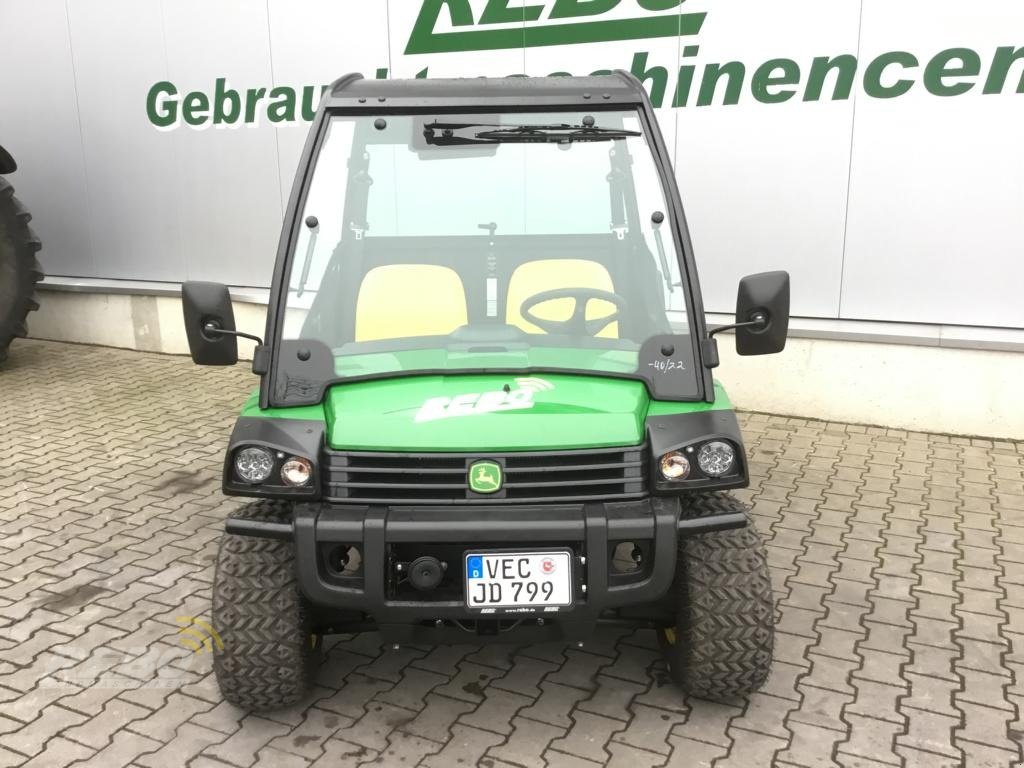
(441, 478)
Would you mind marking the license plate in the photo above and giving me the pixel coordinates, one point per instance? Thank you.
(518, 579)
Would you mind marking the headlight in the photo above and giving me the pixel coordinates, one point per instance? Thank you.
(716, 458)
(296, 471)
(674, 466)
(254, 465)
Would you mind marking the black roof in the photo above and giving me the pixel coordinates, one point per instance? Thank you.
(617, 88)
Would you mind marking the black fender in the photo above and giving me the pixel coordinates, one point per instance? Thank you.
(283, 437)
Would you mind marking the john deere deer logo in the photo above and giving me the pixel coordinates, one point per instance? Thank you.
(485, 477)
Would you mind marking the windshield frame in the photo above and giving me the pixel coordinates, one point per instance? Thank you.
(286, 256)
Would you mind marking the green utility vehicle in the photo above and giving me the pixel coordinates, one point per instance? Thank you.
(486, 410)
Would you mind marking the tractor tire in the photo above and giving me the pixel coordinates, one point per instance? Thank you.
(19, 268)
(267, 656)
(721, 645)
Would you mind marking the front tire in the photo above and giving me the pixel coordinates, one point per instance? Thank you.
(721, 645)
(268, 655)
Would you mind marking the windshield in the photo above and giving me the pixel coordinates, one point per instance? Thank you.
(520, 241)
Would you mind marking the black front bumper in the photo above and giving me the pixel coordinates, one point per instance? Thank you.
(387, 535)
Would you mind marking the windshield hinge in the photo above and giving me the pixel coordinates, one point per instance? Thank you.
(620, 232)
(261, 360)
(357, 231)
(709, 352)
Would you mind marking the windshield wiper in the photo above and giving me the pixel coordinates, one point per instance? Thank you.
(555, 133)
(444, 134)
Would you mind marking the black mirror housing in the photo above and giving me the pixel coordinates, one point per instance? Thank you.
(767, 294)
(202, 304)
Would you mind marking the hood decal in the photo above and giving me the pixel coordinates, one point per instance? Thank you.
(477, 403)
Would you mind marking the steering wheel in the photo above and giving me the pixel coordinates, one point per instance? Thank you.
(577, 324)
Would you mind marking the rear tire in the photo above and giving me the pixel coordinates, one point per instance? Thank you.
(721, 645)
(19, 268)
(270, 654)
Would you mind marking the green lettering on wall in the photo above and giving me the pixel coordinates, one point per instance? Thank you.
(227, 105)
(873, 85)
(734, 71)
(281, 108)
(252, 100)
(659, 5)
(940, 68)
(773, 74)
(844, 66)
(569, 9)
(424, 38)
(195, 108)
(1005, 57)
(498, 12)
(951, 72)
(459, 11)
(657, 75)
(686, 73)
(310, 99)
(163, 113)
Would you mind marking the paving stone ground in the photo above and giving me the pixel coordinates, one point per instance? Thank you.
(898, 564)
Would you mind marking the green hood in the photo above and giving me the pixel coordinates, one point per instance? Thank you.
(473, 413)
(492, 412)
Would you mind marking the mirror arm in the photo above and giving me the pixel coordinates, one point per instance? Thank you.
(212, 329)
(760, 319)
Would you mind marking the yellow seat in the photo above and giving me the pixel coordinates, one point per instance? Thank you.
(535, 277)
(398, 301)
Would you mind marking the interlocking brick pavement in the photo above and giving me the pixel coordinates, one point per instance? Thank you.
(897, 560)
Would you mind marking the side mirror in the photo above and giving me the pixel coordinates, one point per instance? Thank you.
(762, 313)
(209, 323)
